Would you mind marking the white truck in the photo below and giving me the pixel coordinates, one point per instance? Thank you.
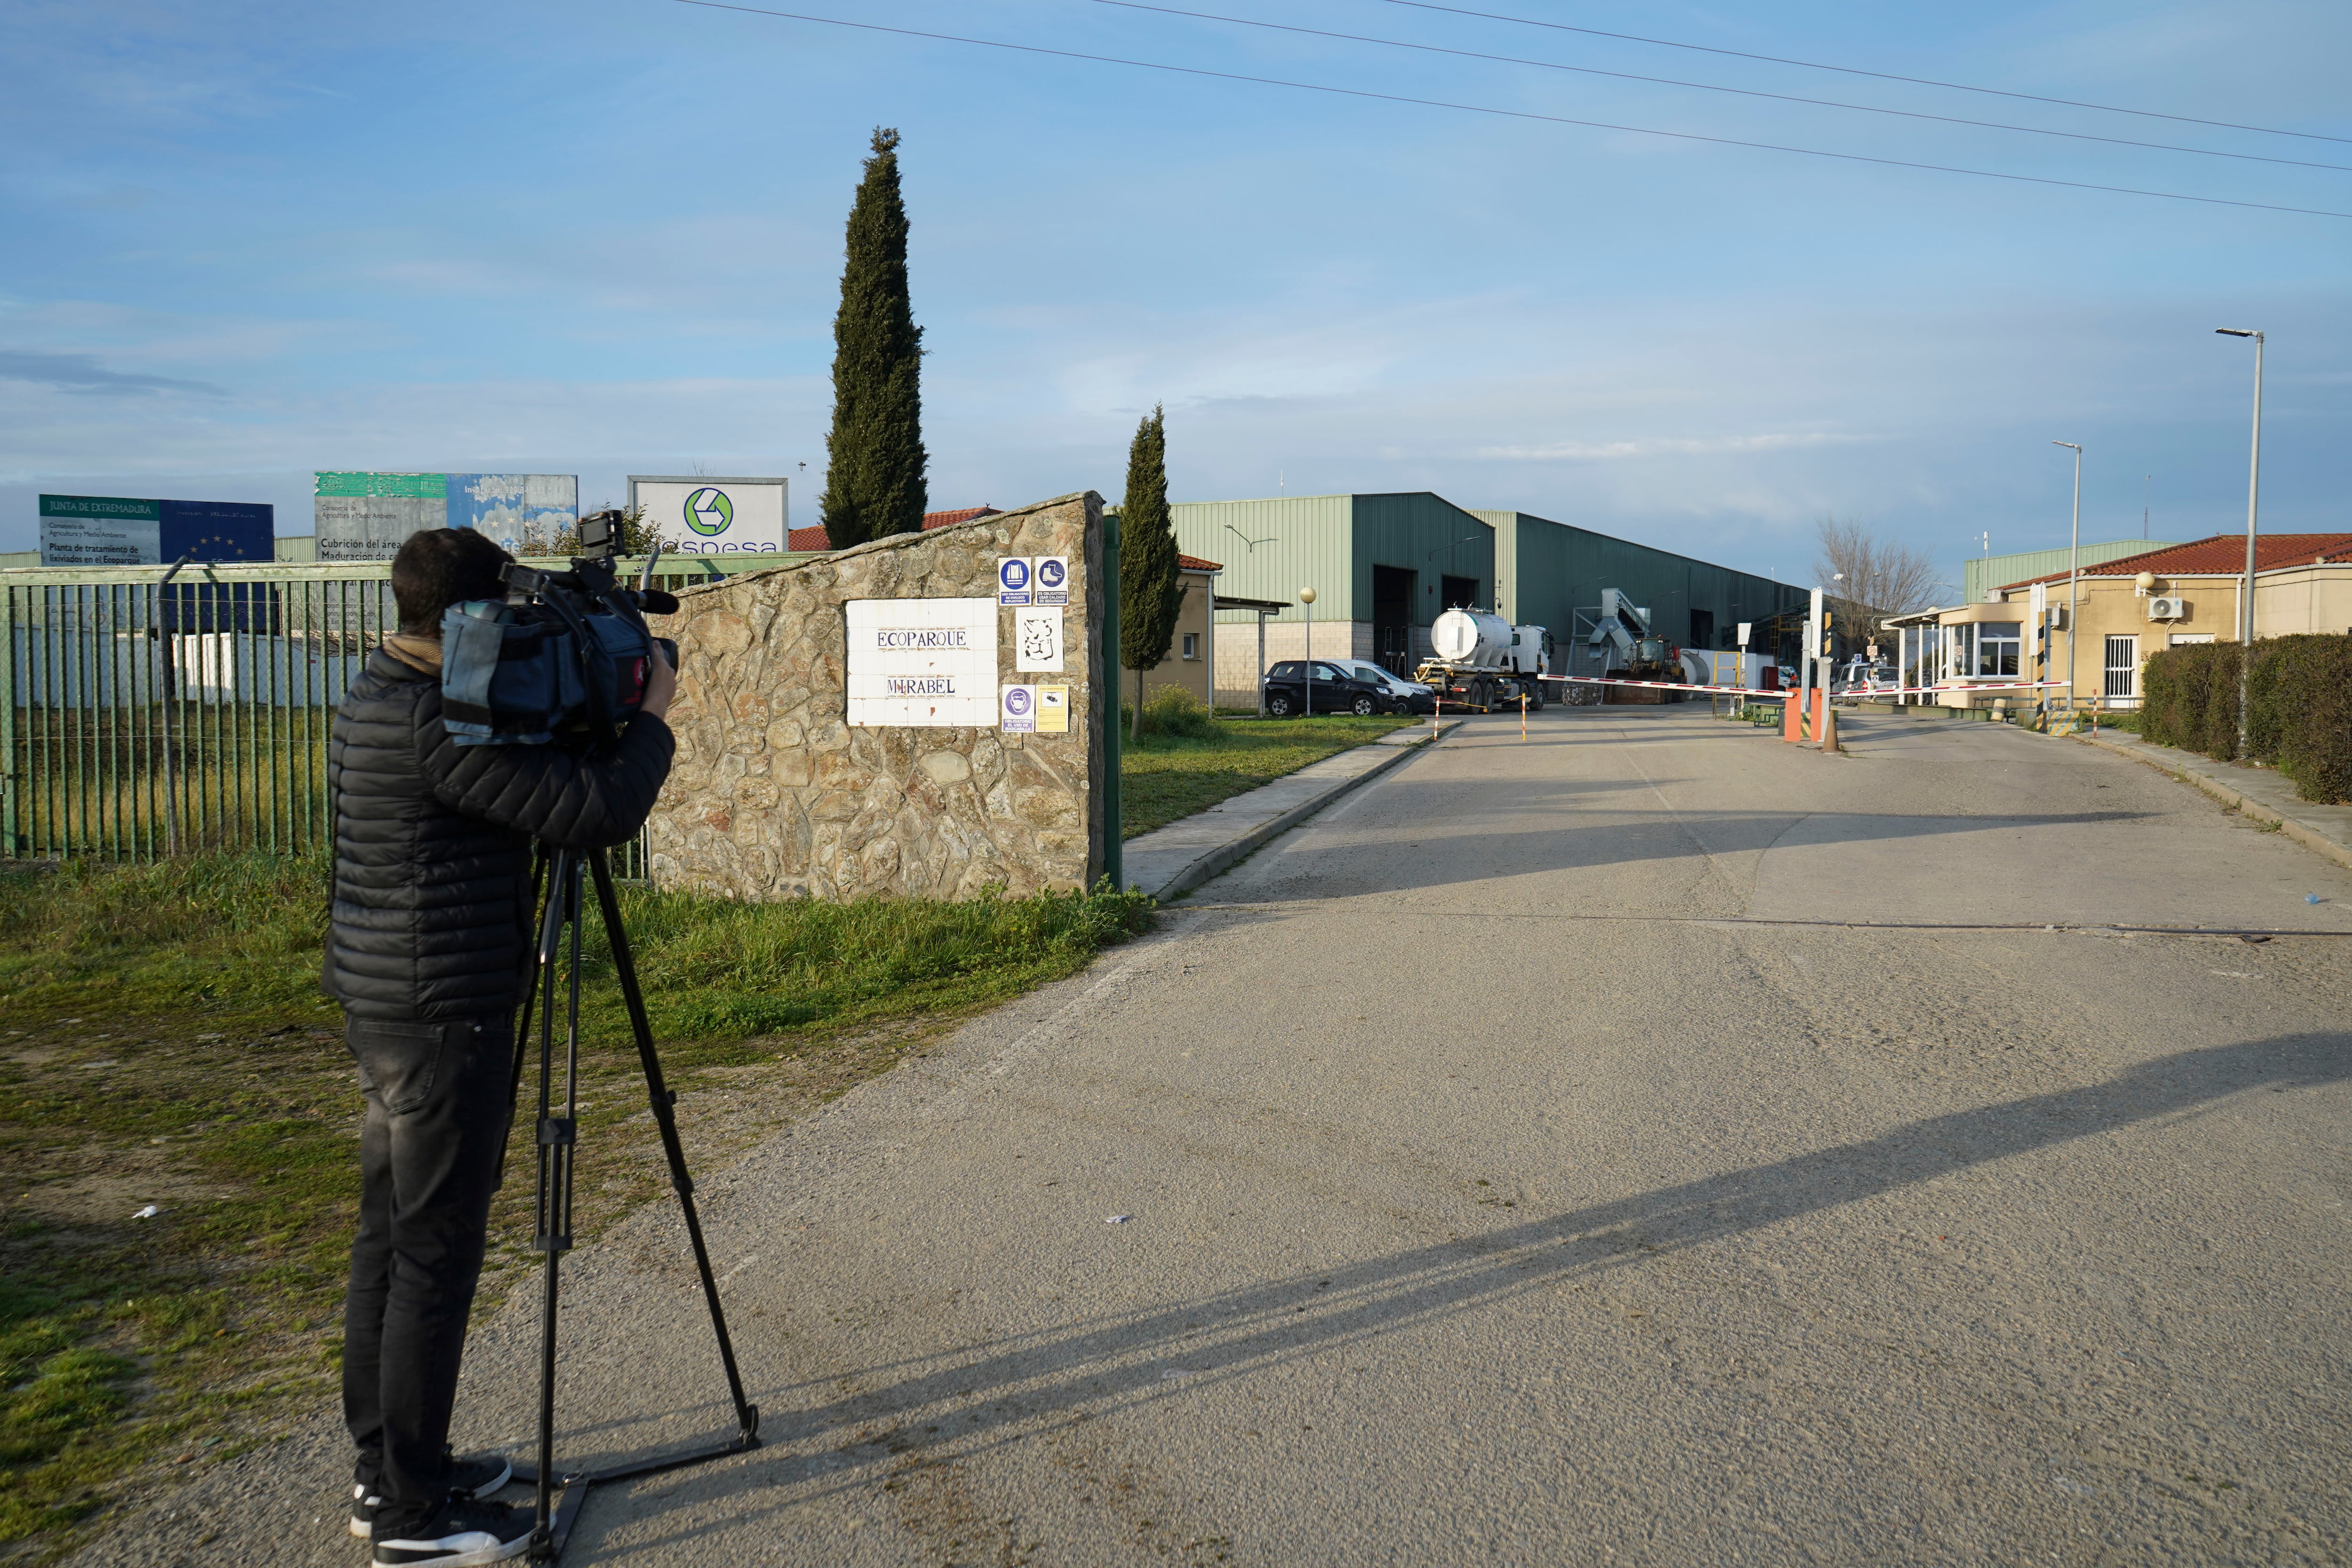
(1482, 661)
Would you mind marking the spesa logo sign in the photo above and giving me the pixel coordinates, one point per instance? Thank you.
(708, 511)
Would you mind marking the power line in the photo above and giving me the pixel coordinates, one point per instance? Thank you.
(1509, 113)
(1711, 87)
(1852, 70)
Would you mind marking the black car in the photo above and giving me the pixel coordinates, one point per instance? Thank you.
(1337, 691)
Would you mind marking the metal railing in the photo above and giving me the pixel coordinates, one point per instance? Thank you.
(154, 710)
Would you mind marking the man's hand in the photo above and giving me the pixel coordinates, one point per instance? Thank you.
(661, 685)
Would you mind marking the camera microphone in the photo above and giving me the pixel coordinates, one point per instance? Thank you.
(654, 602)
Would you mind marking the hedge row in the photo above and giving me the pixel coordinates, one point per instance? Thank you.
(2300, 707)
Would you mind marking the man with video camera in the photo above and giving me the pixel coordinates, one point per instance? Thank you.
(430, 953)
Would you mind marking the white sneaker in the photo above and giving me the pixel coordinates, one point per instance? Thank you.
(460, 1534)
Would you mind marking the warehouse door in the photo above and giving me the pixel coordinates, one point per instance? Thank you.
(1459, 592)
(1392, 589)
(1702, 629)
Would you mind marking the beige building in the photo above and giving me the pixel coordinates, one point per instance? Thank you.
(2125, 610)
(1193, 654)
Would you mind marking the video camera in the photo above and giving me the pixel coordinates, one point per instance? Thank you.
(563, 660)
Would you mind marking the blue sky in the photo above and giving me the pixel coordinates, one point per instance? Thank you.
(603, 237)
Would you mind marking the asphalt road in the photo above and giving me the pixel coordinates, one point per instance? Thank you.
(1493, 1194)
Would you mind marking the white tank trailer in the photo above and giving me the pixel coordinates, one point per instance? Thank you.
(1482, 661)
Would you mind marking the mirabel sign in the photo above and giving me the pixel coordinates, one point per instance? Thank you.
(926, 663)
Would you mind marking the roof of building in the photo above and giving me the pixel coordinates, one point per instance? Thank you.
(1194, 564)
(2220, 555)
(815, 538)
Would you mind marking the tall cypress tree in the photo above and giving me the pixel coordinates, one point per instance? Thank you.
(875, 461)
(1149, 592)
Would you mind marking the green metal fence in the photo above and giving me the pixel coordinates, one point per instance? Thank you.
(154, 711)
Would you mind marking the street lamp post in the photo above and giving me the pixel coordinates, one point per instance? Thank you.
(1307, 598)
(2254, 499)
(2073, 572)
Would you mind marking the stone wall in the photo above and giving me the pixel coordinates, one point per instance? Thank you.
(775, 795)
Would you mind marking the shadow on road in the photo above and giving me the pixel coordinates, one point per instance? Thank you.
(1529, 818)
(974, 1394)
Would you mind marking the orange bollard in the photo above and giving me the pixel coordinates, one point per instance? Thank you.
(1821, 706)
(1790, 722)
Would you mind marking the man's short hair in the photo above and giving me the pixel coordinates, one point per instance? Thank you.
(440, 567)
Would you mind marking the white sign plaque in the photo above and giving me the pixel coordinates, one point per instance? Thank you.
(1020, 716)
(926, 663)
(1037, 640)
(1013, 579)
(1052, 575)
(1053, 711)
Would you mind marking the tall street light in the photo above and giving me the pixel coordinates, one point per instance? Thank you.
(1307, 598)
(2073, 572)
(2253, 498)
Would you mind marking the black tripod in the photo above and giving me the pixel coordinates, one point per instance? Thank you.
(558, 1138)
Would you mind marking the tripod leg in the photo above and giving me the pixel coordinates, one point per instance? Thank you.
(665, 1104)
(557, 1141)
(522, 1024)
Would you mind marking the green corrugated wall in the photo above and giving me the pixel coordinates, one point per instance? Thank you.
(1999, 571)
(1272, 548)
(1549, 570)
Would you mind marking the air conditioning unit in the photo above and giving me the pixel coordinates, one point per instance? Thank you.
(2159, 609)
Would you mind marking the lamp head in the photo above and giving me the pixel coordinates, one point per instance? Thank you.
(2069, 445)
(1305, 595)
(2237, 331)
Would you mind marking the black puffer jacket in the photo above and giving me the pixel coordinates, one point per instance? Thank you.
(432, 845)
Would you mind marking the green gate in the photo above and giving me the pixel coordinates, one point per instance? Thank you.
(155, 712)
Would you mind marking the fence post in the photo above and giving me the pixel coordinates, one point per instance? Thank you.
(7, 722)
(1113, 820)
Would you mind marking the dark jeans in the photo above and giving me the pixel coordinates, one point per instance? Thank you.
(436, 1117)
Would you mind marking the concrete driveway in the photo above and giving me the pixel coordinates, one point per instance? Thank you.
(1488, 1193)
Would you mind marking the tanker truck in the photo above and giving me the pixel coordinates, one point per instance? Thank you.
(1482, 661)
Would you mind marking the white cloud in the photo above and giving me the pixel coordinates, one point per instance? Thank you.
(1666, 446)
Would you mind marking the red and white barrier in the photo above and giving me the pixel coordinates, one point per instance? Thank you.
(1788, 692)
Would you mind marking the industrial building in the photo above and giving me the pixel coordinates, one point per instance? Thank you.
(1983, 574)
(1383, 566)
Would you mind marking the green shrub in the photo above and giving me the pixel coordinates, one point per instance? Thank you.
(2311, 678)
(1174, 711)
(2191, 699)
(2299, 707)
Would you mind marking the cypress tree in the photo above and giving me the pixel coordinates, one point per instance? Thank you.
(1149, 591)
(875, 459)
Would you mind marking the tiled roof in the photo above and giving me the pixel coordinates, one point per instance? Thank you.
(2221, 555)
(815, 538)
(1194, 564)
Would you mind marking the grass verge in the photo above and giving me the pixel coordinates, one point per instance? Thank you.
(163, 1043)
(1165, 777)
